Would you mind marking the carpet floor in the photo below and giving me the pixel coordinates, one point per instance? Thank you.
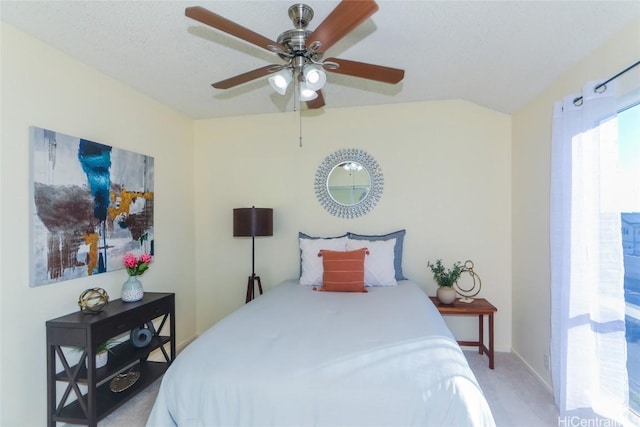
(517, 398)
(515, 395)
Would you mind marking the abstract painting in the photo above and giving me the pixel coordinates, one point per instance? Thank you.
(90, 204)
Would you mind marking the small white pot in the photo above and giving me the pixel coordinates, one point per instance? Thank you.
(446, 294)
(101, 359)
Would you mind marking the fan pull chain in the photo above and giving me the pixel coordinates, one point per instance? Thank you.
(296, 106)
(300, 123)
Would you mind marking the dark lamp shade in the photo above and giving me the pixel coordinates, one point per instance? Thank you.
(248, 222)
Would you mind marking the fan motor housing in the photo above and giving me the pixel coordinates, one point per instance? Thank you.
(294, 39)
(301, 15)
(295, 42)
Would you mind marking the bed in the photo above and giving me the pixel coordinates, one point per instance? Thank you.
(296, 356)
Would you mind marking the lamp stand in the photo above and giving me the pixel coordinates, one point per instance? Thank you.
(251, 287)
(252, 222)
(251, 282)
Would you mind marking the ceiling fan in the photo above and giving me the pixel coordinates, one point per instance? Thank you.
(303, 50)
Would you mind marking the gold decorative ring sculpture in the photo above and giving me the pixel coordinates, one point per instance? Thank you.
(467, 294)
(93, 300)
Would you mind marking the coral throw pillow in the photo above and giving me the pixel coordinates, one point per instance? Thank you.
(343, 270)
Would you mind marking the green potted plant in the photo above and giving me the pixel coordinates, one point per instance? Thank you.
(102, 352)
(445, 278)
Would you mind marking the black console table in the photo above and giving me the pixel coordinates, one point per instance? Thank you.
(87, 331)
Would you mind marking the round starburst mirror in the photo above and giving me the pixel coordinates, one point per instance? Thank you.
(349, 183)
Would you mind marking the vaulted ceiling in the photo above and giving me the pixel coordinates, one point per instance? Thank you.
(499, 54)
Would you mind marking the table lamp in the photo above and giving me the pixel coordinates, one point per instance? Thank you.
(252, 222)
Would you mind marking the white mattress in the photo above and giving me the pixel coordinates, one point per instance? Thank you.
(298, 357)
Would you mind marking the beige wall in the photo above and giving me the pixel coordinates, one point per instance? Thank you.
(446, 169)
(453, 172)
(447, 181)
(531, 176)
(42, 87)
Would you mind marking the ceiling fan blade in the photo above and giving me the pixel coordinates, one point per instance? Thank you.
(366, 71)
(317, 102)
(340, 22)
(223, 24)
(247, 77)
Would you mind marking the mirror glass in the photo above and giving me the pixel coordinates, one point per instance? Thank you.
(349, 183)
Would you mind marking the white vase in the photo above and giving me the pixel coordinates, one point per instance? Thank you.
(132, 290)
(446, 294)
(101, 359)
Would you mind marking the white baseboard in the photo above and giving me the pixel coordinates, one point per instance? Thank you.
(157, 356)
(533, 372)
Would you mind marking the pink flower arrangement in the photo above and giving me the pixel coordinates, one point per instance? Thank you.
(136, 266)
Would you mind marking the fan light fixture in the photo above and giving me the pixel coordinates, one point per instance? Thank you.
(314, 76)
(307, 94)
(314, 79)
(280, 81)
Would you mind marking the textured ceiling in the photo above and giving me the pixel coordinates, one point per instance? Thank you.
(499, 54)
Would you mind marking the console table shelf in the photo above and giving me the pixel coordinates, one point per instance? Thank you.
(86, 331)
(120, 356)
(108, 401)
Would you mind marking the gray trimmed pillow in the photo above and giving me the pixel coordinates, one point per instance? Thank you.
(397, 251)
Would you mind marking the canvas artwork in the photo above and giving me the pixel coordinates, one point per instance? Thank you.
(90, 204)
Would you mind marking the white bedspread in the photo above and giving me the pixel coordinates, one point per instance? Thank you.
(297, 357)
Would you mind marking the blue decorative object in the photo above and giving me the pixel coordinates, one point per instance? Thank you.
(141, 337)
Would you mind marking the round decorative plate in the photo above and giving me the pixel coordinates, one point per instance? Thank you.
(123, 381)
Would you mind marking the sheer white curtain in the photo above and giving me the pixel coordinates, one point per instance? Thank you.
(588, 347)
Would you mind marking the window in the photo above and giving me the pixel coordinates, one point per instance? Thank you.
(629, 146)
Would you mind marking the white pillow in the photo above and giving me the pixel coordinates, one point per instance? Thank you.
(311, 263)
(378, 265)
